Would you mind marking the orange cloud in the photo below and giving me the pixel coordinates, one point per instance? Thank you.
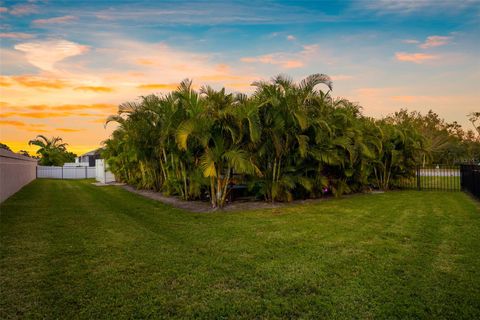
(222, 67)
(292, 64)
(222, 77)
(67, 110)
(37, 130)
(15, 35)
(96, 106)
(145, 62)
(38, 107)
(3, 9)
(100, 120)
(136, 74)
(164, 86)
(68, 130)
(12, 123)
(94, 89)
(55, 20)
(406, 99)
(42, 115)
(37, 82)
(414, 57)
(7, 114)
(5, 81)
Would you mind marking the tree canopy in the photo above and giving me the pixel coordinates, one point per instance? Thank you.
(53, 151)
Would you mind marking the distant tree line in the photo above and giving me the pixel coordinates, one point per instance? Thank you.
(286, 141)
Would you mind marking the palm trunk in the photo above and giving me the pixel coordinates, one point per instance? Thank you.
(213, 197)
(273, 179)
(225, 188)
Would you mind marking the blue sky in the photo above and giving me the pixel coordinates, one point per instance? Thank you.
(66, 64)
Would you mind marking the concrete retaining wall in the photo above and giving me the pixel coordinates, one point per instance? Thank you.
(15, 172)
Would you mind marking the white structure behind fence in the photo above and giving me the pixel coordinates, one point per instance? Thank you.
(65, 172)
(101, 172)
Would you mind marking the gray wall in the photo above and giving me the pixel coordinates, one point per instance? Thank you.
(15, 172)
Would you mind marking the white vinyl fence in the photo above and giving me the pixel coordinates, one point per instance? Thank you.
(65, 172)
(101, 172)
(16, 171)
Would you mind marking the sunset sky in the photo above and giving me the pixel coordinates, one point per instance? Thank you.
(65, 65)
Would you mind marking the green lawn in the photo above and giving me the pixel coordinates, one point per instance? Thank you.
(72, 250)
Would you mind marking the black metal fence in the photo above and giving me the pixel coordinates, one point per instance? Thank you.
(432, 177)
(470, 179)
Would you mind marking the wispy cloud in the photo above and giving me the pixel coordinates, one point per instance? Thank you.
(42, 111)
(405, 7)
(162, 86)
(95, 89)
(212, 13)
(274, 58)
(435, 41)
(23, 10)
(414, 57)
(3, 9)
(291, 37)
(33, 82)
(68, 130)
(13, 123)
(411, 41)
(284, 59)
(340, 77)
(55, 20)
(16, 35)
(44, 54)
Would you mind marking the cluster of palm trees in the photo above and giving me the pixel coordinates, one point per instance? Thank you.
(287, 140)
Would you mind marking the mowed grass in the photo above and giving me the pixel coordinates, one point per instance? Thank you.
(72, 250)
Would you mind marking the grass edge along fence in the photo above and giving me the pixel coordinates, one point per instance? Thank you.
(470, 179)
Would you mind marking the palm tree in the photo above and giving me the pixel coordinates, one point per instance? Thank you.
(216, 131)
(285, 116)
(52, 151)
